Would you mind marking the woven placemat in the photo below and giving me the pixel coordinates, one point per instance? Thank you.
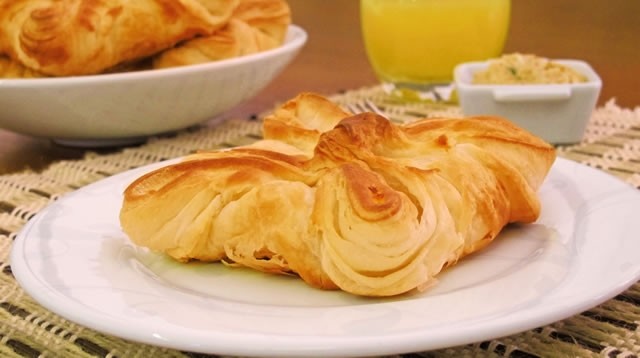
(612, 143)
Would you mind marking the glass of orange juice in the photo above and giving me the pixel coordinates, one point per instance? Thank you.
(414, 45)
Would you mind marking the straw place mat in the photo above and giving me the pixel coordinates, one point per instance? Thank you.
(612, 144)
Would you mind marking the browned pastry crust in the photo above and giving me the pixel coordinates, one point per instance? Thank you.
(270, 17)
(301, 120)
(13, 69)
(255, 26)
(234, 40)
(77, 37)
(374, 209)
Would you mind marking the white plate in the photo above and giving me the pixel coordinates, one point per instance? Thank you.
(74, 259)
(121, 108)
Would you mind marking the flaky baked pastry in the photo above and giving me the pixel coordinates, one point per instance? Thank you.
(254, 26)
(13, 69)
(353, 203)
(77, 37)
(270, 17)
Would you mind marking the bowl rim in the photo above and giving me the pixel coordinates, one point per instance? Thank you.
(295, 38)
(462, 81)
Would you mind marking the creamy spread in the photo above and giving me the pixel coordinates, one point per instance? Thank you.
(526, 69)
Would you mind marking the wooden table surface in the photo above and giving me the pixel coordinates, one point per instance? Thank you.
(604, 33)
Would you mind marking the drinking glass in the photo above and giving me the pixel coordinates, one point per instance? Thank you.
(414, 45)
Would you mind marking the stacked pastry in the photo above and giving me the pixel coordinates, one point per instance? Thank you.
(82, 37)
(344, 201)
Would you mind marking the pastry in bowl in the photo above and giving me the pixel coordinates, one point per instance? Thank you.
(350, 202)
(254, 26)
(52, 38)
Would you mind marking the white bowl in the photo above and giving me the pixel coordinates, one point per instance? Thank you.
(119, 108)
(558, 113)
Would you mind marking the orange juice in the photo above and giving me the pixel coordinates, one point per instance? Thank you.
(421, 41)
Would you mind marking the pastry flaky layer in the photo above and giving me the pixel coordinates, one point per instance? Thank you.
(254, 26)
(351, 202)
(81, 37)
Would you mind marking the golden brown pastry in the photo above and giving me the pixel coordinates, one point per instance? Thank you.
(13, 69)
(255, 26)
(234, 40)
(301, 120)
(270, 17)
(376, 209)
(78, 37)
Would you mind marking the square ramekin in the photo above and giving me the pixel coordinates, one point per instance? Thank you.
(558, 113)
